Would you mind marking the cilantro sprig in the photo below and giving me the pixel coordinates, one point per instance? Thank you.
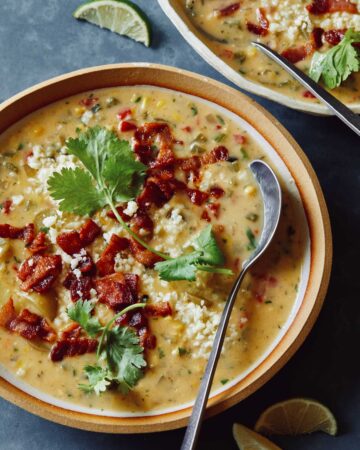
(206, 256)
(120, 356)
(112, 175)
(336, 65)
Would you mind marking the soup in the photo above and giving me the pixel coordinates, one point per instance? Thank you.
(295, 28)
(65, 263)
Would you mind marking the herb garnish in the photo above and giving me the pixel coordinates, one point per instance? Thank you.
(205, 256)
(335, 65)
(120, 357)
(114, 175)
(252, 240)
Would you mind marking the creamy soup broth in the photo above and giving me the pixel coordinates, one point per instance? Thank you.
(34, 148)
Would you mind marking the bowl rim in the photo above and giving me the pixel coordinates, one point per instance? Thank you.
(184, 28)
(288, 150)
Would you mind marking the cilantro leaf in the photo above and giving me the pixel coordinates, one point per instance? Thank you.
(80, 312)
(181, 268)
(252, 240)
(125, 357)
(206, 256)
(75, 191)
(111, 162)
(336, 65)
(99, 379)
(211, 253)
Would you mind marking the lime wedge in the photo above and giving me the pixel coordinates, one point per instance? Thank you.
(249, 440)
(120, 16)
(296, 416)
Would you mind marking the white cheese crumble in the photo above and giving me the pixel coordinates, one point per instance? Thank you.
(131, 208)
(86, 117)
(49, 221)
(17, 199)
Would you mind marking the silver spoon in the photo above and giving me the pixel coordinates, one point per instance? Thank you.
(271, 193)
(344, 113)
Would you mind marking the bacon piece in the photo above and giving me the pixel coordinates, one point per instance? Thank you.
(78, 287)
(27, 233)
(205, 216)
(38, 245)
(89, 101)
(125, 125)
(7, 313)
(192, 164)
(196, 196)
(334, 37)
(70, 242)
(316, 37)
(142, 221)
(31, 326)
(39, 272)
(72, 347)
(228, 10)
(6, 206)
(143, 255)
(88, 232)
(161, 309)
(297, 54)
(120, 210)
(147, 340)
(216, 192)
(214, 208)
(117, 290)
(105, 265)
(262, 27)
(158, 190)
(218, 154)
(319, 7)
(145, 139)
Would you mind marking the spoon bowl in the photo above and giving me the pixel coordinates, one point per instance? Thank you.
(272, 198)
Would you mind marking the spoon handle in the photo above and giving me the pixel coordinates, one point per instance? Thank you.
(344, 113)
(193, 428)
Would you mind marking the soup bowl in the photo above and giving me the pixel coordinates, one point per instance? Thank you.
(297, 176)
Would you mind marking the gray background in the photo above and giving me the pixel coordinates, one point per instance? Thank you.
(40, 39)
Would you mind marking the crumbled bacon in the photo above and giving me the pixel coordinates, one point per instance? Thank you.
(205, 216)
(26, 324)
(73, 241)
(71, 331)
(143, 255)
(39, 272)
(27, 233)
(334, 37)
(218, 154)
(142, 221)
(6, 206)
(70, 242)
(39, 244)
(147, 340)
(125, 126)
(72, 347)
(216, 192)
(227, 10)
(88, 232)
(105, 265)
(145, 137)
(117, 290)
(319, 7)
(214, 208)
(79, 287)
(297, 54)
(196, 196)
(262, 27)
(161, 309)
(316, 37)
(89, 101)
(120, 210)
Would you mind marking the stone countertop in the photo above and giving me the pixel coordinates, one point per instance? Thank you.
(38, 40)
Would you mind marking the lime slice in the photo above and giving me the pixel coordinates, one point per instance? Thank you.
(249, 440)
(296, 416)
(120, 16)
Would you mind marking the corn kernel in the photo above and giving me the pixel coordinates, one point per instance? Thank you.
(251, 51)
(79, 111)
(249, 189)
(160, 104)
(176, 117)
(38, 131)
(144, 103)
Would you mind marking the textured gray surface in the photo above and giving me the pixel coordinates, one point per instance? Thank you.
(39, 39)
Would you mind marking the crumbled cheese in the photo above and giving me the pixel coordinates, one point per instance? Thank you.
(86, 117)
(77, 273)
(17, 199)
(131, 208)
(49, 221)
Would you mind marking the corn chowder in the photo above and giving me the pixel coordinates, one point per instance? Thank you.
(309, 33)
(125, 215)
